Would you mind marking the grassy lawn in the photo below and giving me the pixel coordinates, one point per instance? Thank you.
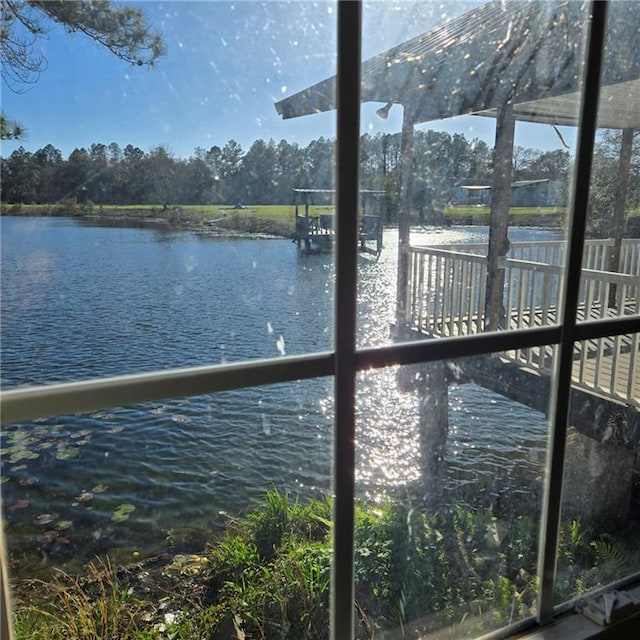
(275, 220)
(521, 216)
(514, 211)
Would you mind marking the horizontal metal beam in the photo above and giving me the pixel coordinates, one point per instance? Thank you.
(73, 397)
(429, 350)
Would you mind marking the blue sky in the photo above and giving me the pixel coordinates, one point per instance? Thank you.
(226, 65)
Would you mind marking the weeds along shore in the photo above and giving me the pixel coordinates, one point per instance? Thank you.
(268, 576)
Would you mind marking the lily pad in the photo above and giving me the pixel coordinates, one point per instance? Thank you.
(123, 512)
(64, 524)
(85, 496)
(115, 429)
(81, 434)
(20, 436)
(67, 454)
(44, 518)
(23, 454)
(19, 504)
(48, 537)
(27, 481)
(99, 488)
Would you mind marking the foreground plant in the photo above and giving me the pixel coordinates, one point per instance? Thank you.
(92, 606)
(268, 578)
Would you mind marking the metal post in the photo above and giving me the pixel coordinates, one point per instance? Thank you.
(499, 216)
(6, 630)
(347, 175)
(561, 400)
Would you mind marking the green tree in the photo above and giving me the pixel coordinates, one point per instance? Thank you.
(120, 28)
(319, 164)
(9, 129)
(523, 159)
(20, 174)
(75, 176)
(99, 179)
(49, 162)
(230, 179)
(604, 182)
(481, 164)
(131, 177)
(196, 182)
(161, 179)
(32, 177)
(259, 173)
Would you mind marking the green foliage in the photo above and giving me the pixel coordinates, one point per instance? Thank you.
(500, 594)
(121, 29)
(272, 575)
(586, 562)
(10, 129)
(402, 568)
(612, 559)
(521, 546)
(266, 173)
(268, 577)
(605, 179)
(97, 606)
(285, 598)
(523, 216)
(279, 520)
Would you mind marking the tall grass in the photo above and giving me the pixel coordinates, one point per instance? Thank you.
(91, 606)
(268, 578)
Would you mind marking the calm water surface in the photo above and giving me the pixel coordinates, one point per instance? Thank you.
(82, 301)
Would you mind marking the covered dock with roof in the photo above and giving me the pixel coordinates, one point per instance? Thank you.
(315, 231)
(509, 60)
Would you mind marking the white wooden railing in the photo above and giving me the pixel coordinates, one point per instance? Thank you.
(447, 287)
(596, 253)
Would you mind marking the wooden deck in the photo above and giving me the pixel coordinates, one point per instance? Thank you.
(447, 295)
(316, 234)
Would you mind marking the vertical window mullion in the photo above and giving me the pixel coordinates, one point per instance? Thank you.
(552, 504)
(347, 201)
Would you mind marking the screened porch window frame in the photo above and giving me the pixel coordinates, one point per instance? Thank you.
(346, 360)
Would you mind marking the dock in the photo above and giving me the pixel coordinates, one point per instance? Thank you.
(447, 291)
(315, 232)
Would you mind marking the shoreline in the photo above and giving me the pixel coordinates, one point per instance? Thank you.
(229, 222)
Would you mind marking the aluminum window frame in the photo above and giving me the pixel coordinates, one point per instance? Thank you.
(346, 360)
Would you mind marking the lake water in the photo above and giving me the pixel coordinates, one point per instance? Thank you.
(82, 301)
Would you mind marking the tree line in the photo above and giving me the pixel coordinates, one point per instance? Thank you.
(266, 173)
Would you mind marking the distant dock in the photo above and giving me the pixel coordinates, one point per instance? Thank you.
(315, 233)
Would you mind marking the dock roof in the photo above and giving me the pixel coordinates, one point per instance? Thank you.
(529, 53)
